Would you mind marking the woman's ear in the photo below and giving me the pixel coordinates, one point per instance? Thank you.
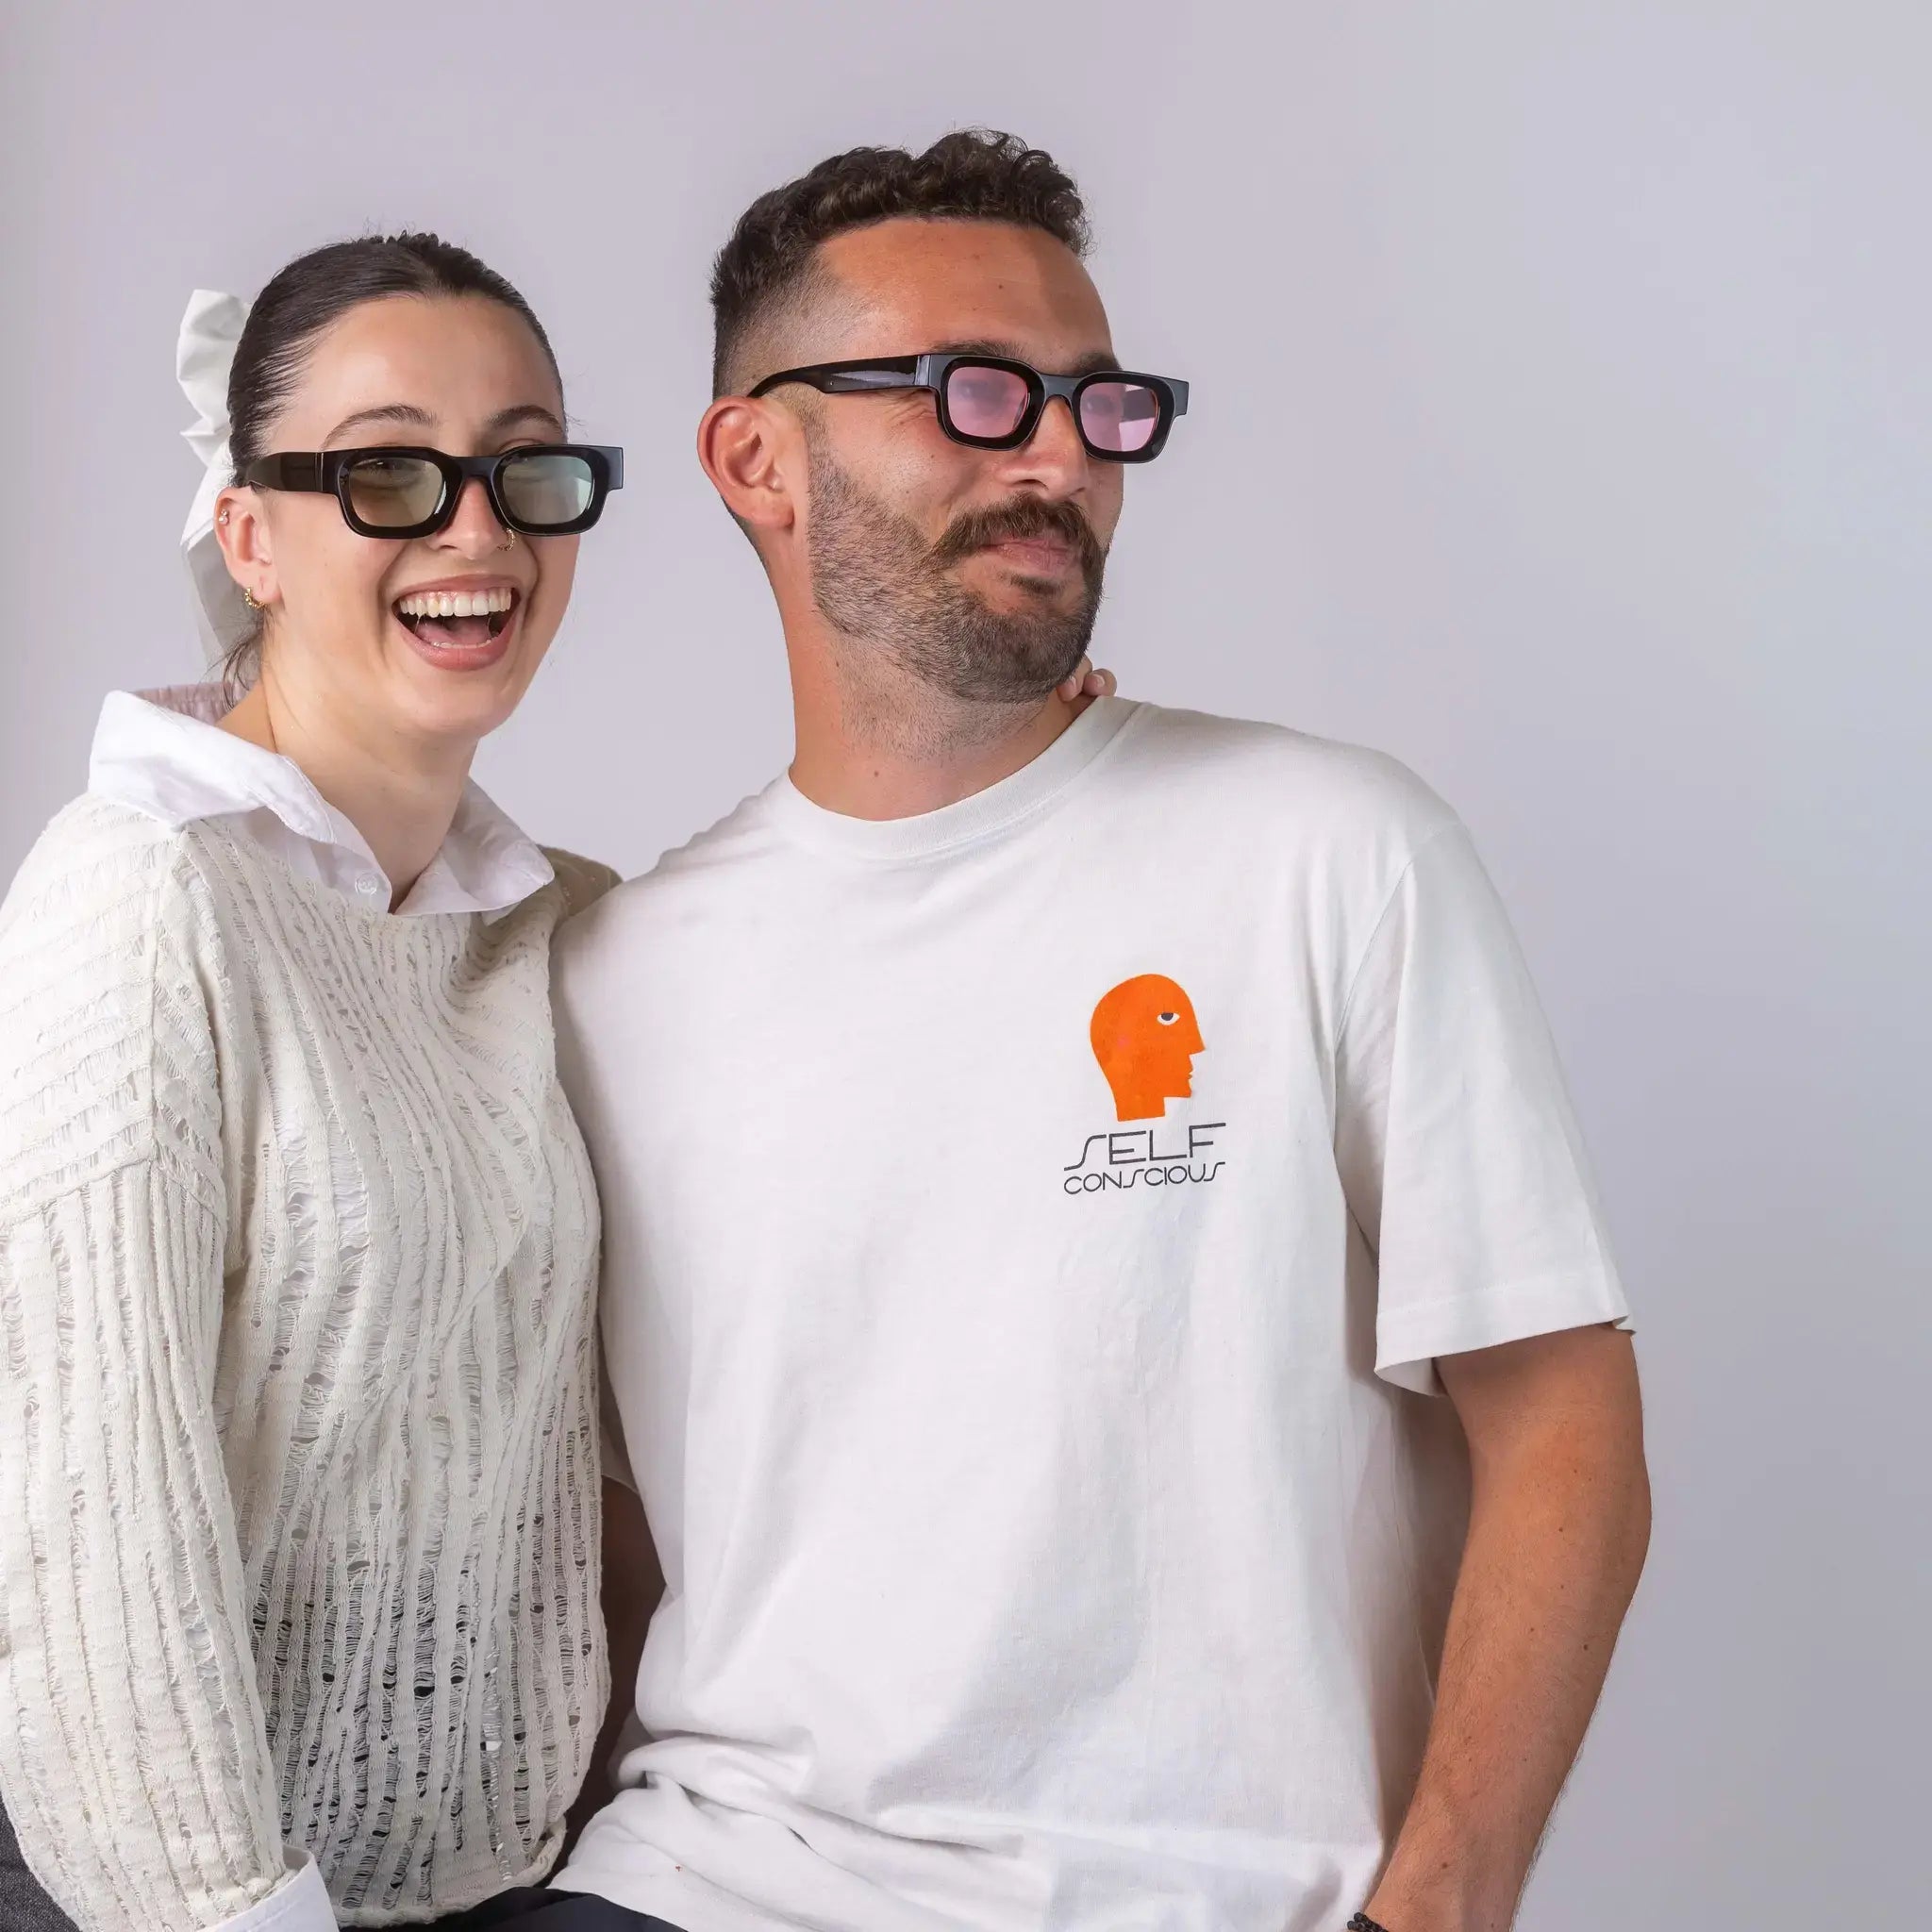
(751, 452)
(247, 545)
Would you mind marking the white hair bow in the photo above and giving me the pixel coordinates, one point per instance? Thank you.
(209, 331)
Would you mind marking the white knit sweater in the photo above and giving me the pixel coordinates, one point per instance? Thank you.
(298, 1426)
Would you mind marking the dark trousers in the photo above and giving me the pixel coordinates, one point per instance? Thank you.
(535, 1909)
(24, 1905)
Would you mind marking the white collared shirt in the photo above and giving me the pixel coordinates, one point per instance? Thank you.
(163, 753)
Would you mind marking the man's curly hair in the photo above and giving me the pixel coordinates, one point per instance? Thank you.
(974, 174)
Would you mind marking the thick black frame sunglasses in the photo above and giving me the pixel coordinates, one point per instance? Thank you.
(335, 472)
(936, 369)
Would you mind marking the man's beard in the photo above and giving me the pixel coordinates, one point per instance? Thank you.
(878, 580)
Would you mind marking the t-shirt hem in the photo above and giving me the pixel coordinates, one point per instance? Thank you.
(1408, 1341)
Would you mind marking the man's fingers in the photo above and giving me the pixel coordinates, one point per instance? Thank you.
(1086, 682)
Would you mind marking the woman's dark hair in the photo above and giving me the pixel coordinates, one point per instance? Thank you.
(974, 174)
(302, 299)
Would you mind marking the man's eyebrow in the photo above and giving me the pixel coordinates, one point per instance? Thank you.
(1088, 365)
(390, 412)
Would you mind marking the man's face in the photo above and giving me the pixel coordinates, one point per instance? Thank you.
(978, 571)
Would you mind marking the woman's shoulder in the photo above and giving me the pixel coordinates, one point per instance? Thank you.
(105, 964)
(98, 863)
(580, 881)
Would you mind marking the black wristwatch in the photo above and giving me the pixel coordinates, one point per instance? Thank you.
(1362, 1923)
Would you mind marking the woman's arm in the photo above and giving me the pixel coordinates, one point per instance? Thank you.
(133, 1760)
(633, 1582)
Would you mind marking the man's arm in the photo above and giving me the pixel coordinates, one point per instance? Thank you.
(1558, 1525)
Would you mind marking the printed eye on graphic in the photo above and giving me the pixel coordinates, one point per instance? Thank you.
(1146, 1036)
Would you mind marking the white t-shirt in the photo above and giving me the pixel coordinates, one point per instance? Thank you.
(1025, 1226)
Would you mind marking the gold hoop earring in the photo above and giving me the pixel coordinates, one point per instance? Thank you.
(248, 598)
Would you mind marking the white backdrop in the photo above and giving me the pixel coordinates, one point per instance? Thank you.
(1562, 422)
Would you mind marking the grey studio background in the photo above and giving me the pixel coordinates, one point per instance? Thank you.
(1562, 422)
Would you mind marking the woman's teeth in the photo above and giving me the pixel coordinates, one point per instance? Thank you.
(455, 603)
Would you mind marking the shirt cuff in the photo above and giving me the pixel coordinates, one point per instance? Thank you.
(299, 1904)
(1409, 1340)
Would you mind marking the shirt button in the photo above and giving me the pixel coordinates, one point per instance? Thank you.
(369, 885)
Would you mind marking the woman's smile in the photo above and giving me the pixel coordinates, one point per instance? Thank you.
(462, 622)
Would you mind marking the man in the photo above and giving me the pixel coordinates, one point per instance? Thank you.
(1051, 1166)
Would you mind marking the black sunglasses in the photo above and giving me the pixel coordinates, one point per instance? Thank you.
(542, 490)
(993, 404)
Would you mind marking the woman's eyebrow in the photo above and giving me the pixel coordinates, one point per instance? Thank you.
(506, 419)
(390, 412)
(410, 416)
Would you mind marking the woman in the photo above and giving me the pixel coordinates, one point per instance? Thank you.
(299, 1458)
(296, 1236)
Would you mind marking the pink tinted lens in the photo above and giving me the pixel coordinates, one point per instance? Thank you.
(985, 402)
(1120, 416)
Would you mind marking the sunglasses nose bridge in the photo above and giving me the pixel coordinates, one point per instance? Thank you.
(1035, 432)
(459, 509)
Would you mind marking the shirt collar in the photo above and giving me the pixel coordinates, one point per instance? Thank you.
(951, 828)
(161, 753)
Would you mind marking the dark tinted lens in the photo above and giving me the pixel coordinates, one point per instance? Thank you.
(1120, 416)
(546, 489)
(393, 493)
(985, 402)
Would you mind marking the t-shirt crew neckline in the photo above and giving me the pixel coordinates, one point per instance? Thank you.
(967, 821)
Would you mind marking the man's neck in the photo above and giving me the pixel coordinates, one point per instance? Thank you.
(876, 744)
(401, 797)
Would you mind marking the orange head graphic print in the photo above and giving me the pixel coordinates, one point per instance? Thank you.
(1146, 1037)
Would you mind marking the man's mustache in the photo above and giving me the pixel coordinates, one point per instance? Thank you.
(1025, 517)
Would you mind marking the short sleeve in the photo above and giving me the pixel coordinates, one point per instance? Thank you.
(1457, 1149)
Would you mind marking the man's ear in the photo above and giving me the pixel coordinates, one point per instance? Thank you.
(241, 530)
(753, 453)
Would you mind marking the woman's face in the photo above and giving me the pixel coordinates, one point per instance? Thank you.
(459, 374)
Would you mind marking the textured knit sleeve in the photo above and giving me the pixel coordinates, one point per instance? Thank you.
(132, 1757)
